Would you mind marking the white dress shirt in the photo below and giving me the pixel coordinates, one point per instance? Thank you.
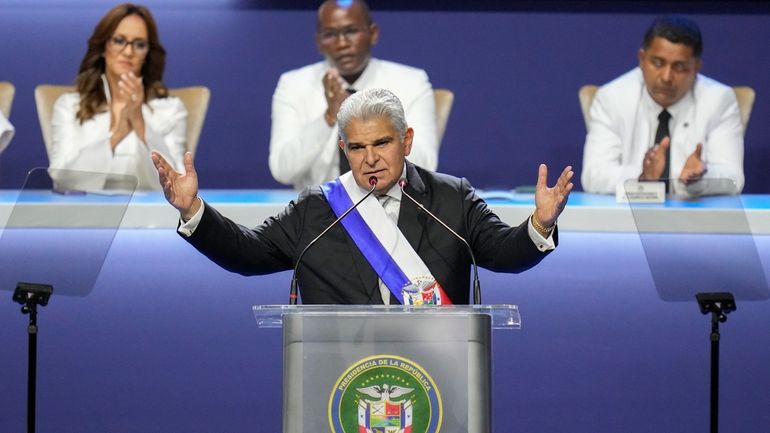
(86, 146)
(304, 148)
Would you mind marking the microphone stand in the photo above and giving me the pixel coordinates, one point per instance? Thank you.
(719, 305)
(293, 288)
(30, 296)
(476, 285)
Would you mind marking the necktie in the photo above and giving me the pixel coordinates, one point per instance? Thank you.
(388, 203)
(662, 132)
(344, 166)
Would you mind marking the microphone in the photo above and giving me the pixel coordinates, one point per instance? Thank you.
(476, 286)
(293, 289)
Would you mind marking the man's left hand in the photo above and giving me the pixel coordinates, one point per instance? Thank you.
(550, 202)
(694, 168)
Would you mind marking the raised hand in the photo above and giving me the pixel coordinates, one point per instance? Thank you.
(181, 190)
(126, 108)
(335, 93)
(655, 160)
(694, 168)
(550, 202)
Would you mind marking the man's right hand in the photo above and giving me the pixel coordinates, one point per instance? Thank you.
(655, 161)
(335, 93)
(181, 190)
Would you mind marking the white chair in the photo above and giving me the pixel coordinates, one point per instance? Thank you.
(7, 91)
(45, 96)
(444, 99)
(196, 100)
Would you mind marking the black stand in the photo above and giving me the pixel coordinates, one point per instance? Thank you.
(719, 305)
(30, 296)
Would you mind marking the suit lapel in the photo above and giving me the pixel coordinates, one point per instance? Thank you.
(365, 271)
(410, 221)
(682, 139)
(361, 266)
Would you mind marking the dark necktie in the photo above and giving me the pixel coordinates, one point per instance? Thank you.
(662, 132)
(344, 166)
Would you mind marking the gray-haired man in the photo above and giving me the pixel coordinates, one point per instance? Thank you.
(346, 265)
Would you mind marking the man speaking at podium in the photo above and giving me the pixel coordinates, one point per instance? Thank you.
(387, 250)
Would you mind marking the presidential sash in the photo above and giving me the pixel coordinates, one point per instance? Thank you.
(383, 245)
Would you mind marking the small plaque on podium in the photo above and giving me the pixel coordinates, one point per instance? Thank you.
(636, 191)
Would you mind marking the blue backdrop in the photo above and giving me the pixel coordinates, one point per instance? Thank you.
(515, 72)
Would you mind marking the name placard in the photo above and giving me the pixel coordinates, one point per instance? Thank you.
(635, 191)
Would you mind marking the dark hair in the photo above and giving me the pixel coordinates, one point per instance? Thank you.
(678, 30)
(89, 83)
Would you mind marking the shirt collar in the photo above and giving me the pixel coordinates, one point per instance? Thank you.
(395, 190)
(367, 76)
(676, 110)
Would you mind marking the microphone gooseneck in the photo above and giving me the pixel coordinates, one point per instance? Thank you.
(476, 285)
(293, 289)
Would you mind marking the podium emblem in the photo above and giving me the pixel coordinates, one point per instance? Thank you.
(385, 394)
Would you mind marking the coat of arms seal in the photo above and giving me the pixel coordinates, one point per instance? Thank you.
(385, 394)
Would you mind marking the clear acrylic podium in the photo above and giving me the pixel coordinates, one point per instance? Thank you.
(387, 368)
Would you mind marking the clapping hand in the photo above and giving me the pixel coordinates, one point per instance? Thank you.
(694, 168)
(126, 108)
(655, 160)
(335, 93)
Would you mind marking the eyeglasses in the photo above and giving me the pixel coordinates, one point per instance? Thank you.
(119, 43)
(328, 36)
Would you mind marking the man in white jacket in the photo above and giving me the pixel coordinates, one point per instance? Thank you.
(664, 120)
(304, 139)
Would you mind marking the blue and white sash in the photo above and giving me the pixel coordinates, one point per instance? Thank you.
(383, 245)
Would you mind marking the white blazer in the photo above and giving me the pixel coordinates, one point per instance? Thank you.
(303, 147)
(618, 139)
(86, 147)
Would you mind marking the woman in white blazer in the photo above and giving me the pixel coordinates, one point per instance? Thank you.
(121, 111)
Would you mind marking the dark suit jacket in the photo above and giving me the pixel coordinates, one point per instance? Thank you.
(333, 271)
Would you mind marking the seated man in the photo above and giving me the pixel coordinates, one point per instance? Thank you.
(664, 120)
(303, 140)
(6, 132)
(387, 251)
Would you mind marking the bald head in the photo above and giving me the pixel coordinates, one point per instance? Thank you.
(345, 35)
(358, 6)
